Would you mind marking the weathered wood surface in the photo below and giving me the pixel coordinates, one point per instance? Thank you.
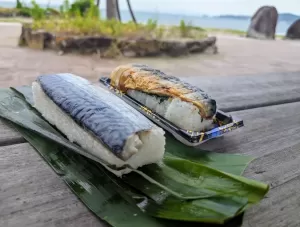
(8, 135)
(244, 92)
(31, 194)
(238, 92)
(270, 135)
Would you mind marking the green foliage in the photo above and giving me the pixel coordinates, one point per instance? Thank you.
(82, 17)
(19, 5)
(52, 12)
(25, 12)
(37, 12)
(184, 29)
(92, 24)
(151, 24)
(66, 6)
(81, 6)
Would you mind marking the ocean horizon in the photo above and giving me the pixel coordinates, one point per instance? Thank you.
(241, 24)
(200, 21)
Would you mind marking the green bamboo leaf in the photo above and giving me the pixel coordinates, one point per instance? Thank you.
(90, 184)
(97, 188)
(160, 183)
(231, 163)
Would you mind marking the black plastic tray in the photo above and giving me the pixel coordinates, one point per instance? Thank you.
(223, 123)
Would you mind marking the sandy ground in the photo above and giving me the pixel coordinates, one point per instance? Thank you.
(237, 56)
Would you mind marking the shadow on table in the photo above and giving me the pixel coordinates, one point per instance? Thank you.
(235, 222)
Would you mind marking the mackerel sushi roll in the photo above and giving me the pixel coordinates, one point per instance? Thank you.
(98, 121)
(183, 104)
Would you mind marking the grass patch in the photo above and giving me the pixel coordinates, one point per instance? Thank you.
(226, 31)
(82, 18)
(92, 25)
(233, 32)
(15, 19)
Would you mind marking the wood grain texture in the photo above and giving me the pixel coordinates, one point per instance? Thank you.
(31, 194)
(279, 209)
(266, 130)
(272, 135)
(249, 91)
(235, 92)
(9, 135)
(282, 205)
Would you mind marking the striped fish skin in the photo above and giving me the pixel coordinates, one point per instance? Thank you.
(153, 81)
(96, 110)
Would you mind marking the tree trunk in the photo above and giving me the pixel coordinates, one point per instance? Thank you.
(131, 11)
(98, 3)
(118, 10)
(111, 9)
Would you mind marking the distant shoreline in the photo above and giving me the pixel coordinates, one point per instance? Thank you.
(230, 24)
(211, 31)
(281, 16)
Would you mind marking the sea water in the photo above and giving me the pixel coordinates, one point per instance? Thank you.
(174, 19)
(201, 21)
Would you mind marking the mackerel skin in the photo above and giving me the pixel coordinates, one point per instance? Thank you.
(96, 110)
(155, 82)
(200, 93)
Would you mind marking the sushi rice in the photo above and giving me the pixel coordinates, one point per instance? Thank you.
(183, 114)
(141, 148)
(186, 106)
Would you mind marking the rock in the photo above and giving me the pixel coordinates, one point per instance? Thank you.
(140, 47)
(83, 45)
(211, 50)
(60, 53)
(199, 46)
(108, 47)
(263, 23)
(39, 39)
(112, 52)
(36, 40)
(293, 31)
(25, 33)
(174, 48)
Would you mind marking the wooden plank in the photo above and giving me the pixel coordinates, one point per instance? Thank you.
(266, 130)
(31, 194)
(281, 206)
(242, 92)
(9, 135)
(272, 135)
(46, 200)
(279, 209)
(231, 92)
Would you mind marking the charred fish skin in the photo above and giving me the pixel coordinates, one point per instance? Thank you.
(172, 79)
(153, 81)
(104, 115)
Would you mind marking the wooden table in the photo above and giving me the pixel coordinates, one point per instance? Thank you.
(31, 194)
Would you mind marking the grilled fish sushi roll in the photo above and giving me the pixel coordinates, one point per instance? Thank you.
(184, 105)
(99, 121)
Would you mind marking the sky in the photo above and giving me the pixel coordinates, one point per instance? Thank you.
(212, 7)
(200, 7)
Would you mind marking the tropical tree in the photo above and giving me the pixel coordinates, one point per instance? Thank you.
(118, 10)
(111, 9)
(131, 11)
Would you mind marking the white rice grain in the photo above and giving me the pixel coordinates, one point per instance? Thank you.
(150, 145)
(183, 114)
